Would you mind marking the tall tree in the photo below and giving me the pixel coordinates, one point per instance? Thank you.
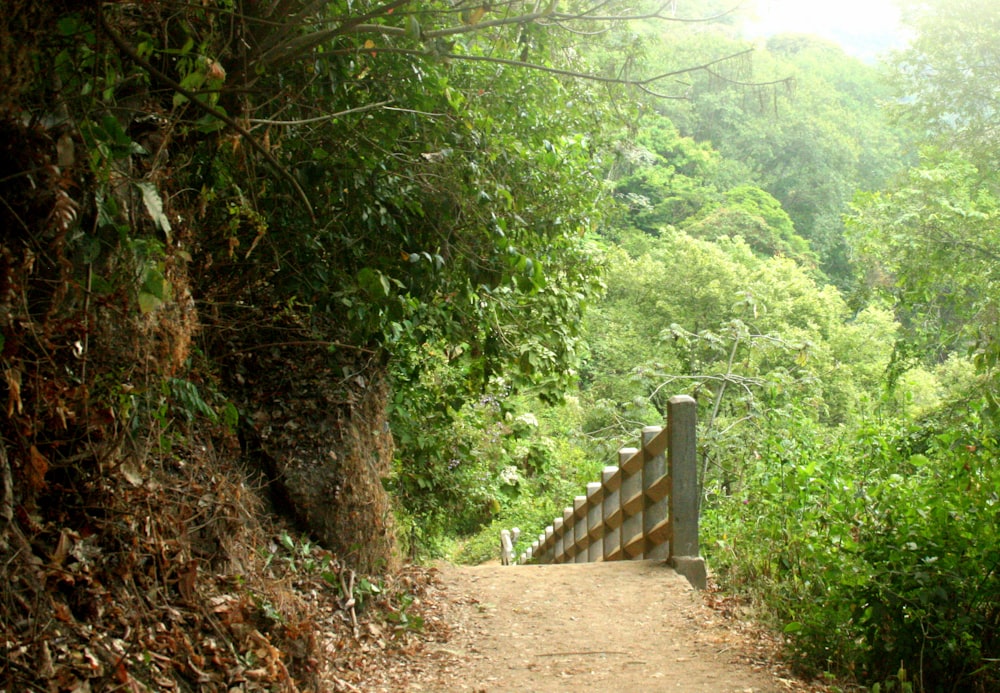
(931, 237)
(810, 142)
(948, 80)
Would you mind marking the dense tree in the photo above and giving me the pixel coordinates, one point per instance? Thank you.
(930, 241)
(890, 570)
(810, 141)
(929, 238)
(947, 79)
(746, 334)
(757, 217)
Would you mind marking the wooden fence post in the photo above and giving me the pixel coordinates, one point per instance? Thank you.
(682, 415)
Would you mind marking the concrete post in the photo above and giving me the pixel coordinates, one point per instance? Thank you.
(658, 511)
(506, 547)
(683, 459)
(595, 530)
(611, 513)
(560, 533)
(568, 537)
(549, 544)
(580, 529)
(632, 520)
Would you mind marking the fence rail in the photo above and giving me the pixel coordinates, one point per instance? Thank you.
(646, 507)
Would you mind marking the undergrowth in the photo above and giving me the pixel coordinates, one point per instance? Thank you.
(878, 555)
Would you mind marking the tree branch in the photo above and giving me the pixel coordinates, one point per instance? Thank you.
(320, 119)
(302, 44)
(570, 73)
(652, 15)
(361, 25)
(193, 98)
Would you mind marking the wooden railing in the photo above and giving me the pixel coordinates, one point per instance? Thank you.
(646, 507)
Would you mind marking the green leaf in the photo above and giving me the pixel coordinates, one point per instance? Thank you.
(208, 123)
(100, 285)
(148, 302)
(793, 627)
(114, 131)
(90, 249)
(154, 284)
(230, 416)
(68, 26)
(154, 206)
(413, 28)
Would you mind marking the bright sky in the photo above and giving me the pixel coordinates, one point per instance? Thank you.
(861, 26)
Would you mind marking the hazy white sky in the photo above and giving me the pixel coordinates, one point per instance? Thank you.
(819, 15)
(859, 25)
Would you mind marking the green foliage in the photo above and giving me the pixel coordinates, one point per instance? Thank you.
(187, 400)
(753, 215)
(553, 465)
(929, 243)
(872, 550)
(662, 179)
(299, 556)
(450, 453)
(873, 543)
(471, 462)
(945, 81)
(810, 142)
(690, 315)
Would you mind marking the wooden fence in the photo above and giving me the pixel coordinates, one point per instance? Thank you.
(646, 507)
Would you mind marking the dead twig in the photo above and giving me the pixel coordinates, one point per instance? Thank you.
(349, 601)
(581, 653)
(6, 485)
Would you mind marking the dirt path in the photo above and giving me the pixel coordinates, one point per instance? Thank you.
(623, 626)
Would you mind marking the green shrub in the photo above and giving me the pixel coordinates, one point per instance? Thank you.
(875, 555)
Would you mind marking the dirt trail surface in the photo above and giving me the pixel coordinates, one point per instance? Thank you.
(631, 626)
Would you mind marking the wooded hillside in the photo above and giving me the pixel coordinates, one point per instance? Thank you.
(294, 294)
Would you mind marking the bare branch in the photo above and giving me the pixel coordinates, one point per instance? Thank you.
(303, 44)
(320, 119)
(597, 32)
(415, 112)
(652, 15)
(451, 31)
(361, 24)
(570, 73)
(660, 95)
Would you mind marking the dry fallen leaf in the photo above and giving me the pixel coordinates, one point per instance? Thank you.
(36, 469)
(13, 378)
